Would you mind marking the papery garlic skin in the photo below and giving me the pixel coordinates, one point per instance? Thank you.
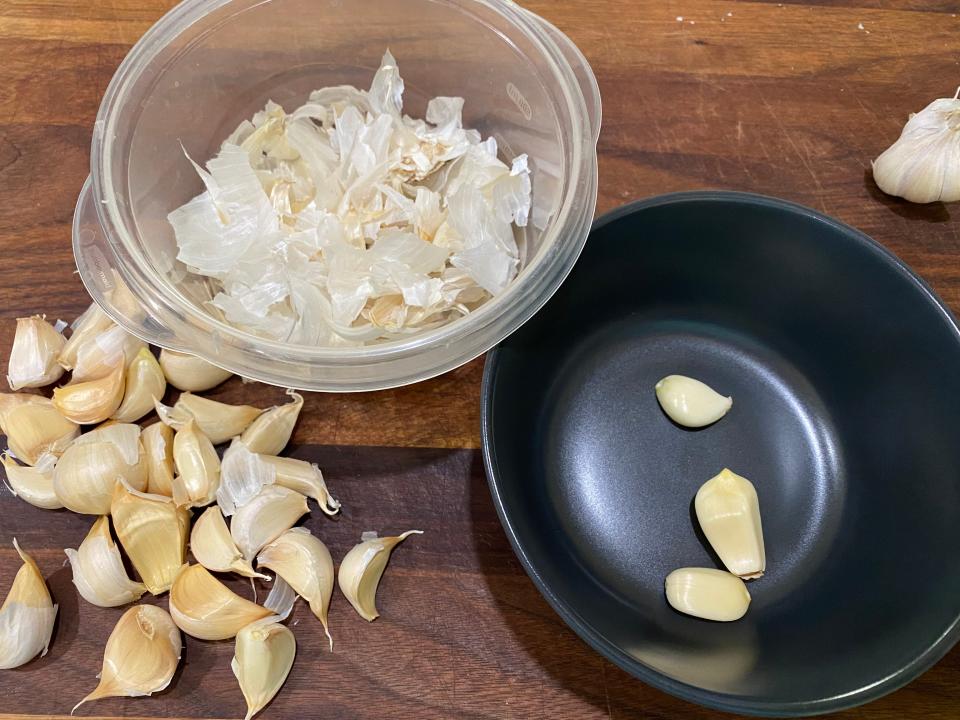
(26, 616)
(33, 484)
(141, 656)
(190, 373)
(98, 571)
(691, 403)
(263, 656)
(33, 357)
(198, 467)
(728, 511)
(205, 608)
(213, 547)
(86, 328)
(37, 428)
(144, 382)
(272, 512)
(707, 593)
(218, 421)
(362, 568)
(157, 440)
(100, 354)
(269, 433)
(923, 165)
(242, 475)
(91, 401)
(305, 478)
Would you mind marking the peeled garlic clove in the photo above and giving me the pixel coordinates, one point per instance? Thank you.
(141, 656)
(33, 484)
(8, 401)
(35, 429)
(33, 358)
(305, 563)
(707, 593)
(26, 617)
(218, 421)
(153, 532)
(145, 381)
(267, 516)
(157, 440)
(99, 355)
(212, 546)
(92, 401)
(362, 568)
(205, 608)
(271, 431)
(729, 514)
(98, 571)
(190, 373)
(242, 475)
(690, 402)
(86, 475)
(198, 467)
(86, 328)
(262, 660)
(305, 478)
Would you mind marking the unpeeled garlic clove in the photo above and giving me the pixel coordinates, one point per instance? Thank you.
(37, 428)
(153, 532)
(98, 571)
(141, 655)
(707, 593)
(144, 383)
(190, 373)
(86, 328)
(690, 402)
(218, 421)
(267, 516)
(8, 401)
(729, 514)
(157, 442)
(305, 478)
(304, 562)
(91, 401)
(198, 467)
(212, 546)
(125, 437)
(262, 660)
(26, 617)
(269, 433)
(242, 475)
(99, 355)
(86, 475)
(33, 358)
(205, 608)
(362, 568)
(33, 484)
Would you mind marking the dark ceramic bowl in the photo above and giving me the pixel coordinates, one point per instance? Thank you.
(845, 373)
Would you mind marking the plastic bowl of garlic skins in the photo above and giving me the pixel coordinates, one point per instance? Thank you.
(339, 196)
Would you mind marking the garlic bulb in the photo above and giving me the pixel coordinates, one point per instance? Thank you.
(8, 401)
(37, 428)
(304, 562)
(923, 165)
(707, 593)
(141, 655)
(86, 328)
(26, 617)
(305, 478)
(33, 484)
(205, 608)
(218, 421)
(91, 401)
(98, 571)
(212, 546)
(157, 440)
(271, 431)
(267, 516)
(690, 402)
(190, 373)
(261, 662)
(86, 475)
(144, 383)
(33, 358)
(198, 467)
(362, 568)
(242, 475)
(729, 514)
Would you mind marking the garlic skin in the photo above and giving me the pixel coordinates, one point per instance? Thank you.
(242, 475)
(33, 484)
(144, 383)
(269, 433)
(86, 328)
(37, 428)
(100, 354)
(218, 421)
(91, 401)
(707, 593)
(198, 467)
(266, 517)
(205, 608)
(153, 532)
(8, 401)
(141, 656)
(86, 475)
(212, 546)
(157, 440)
(305, 563)
(923, 165)
(26, 616)
(190, 373)
(98, 571)
(262, 659)
(690, 402)
(362, 568)
(305, 478)
(729, 514)
(125, 437)
(33, 358)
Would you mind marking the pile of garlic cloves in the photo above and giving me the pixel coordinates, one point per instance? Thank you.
(179, 510)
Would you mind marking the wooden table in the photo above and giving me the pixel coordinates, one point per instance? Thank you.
(789, 99)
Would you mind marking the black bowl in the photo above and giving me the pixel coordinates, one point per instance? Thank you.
(845, 373)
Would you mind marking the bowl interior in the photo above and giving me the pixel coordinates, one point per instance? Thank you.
(843, 370)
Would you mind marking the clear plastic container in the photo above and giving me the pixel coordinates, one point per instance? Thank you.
(208, 64)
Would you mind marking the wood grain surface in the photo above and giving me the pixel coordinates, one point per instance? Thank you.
(790, 99)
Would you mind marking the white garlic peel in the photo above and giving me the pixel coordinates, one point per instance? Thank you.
(362, 568)
(33, 484)
(26, 617)
(263, 656)
(33, 357)
(729, 513)
(690, 402)
(707, 593)
(923, 165)
(213, 547)
(242, 475)
(98, 571)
